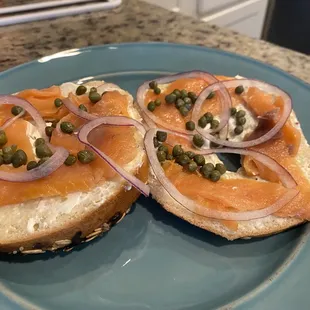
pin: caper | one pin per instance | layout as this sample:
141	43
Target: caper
39	141
239	90
179	103
190	154
190	125
9	149
221	168
240	113
163	148
188	106
209	117
3	138
211	95
187	100
7	158
153	84
238	130
215	176
161	136
1	160
241	121
183	160
83	107
171	98
161	156
54	123
177	93
206	169
177	150
94	97
85	156
192	166
233	111
202	122
169	157
93	89
81	90
31	165
8	152
213	145
19	158
214	124
157	90
49	130
199	159
193	96
157	102
16	110
155	142
151	106
184	111
58	102
42	160
67	127
184	93
71	160
198	140
43	150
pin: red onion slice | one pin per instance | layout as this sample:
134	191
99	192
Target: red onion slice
286	179
76	111
27	106
224	97
287	108
225	101
48	167
117	121
10	121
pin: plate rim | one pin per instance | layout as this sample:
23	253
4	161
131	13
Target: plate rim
19	301
151	43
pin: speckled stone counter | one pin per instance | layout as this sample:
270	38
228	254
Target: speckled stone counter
135	21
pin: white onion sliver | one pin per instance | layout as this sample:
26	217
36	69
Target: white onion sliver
117	121
287	108
192	206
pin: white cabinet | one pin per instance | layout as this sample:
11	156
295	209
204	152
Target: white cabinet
244	16
167	4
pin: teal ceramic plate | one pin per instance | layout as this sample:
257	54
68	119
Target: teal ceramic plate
153	260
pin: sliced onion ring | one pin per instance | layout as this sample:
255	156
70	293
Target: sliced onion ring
224	97
76	111
117	121
27	106
48	167
286	179
287	108
11	120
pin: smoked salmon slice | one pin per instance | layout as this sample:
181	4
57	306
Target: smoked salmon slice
118	143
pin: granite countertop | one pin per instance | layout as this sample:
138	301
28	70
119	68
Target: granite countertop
135	21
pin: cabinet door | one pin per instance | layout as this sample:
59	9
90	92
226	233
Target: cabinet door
246	18
167	4
207	6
